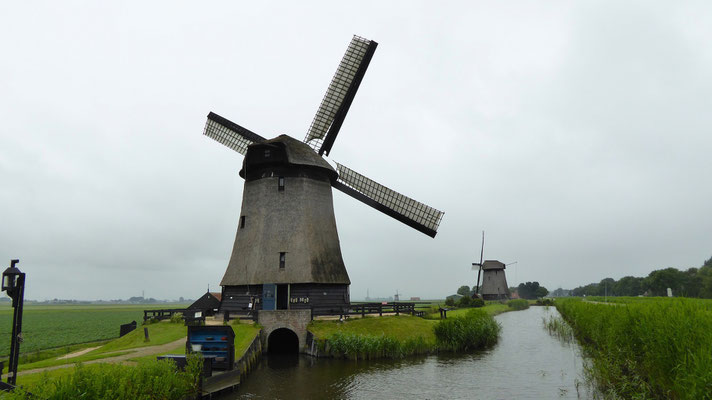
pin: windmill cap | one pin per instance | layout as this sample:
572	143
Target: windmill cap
288	151
493	264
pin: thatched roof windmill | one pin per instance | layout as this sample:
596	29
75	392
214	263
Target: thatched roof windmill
494	281
286	253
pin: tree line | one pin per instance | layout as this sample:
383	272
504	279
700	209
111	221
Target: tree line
529	290
693	282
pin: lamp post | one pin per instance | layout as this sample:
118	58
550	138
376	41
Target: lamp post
13	282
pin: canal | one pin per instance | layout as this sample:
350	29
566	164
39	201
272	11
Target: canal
527	363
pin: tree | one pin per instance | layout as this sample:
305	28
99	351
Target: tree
531	290
628	286
464	290
660	280
605	287
541	292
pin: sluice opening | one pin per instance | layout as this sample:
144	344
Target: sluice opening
283	341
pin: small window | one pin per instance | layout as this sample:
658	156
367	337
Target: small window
242	222
267	153
281	184
282	257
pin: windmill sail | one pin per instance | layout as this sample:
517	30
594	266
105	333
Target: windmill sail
411	212
340	94
230	134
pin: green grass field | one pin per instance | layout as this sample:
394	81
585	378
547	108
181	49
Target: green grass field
645	347
45	327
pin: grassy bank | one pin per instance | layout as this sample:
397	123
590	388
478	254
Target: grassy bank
518	304
492	308
652	348
400	336
475	330
374	337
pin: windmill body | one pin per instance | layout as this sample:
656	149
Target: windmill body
494	281
287	255
286	238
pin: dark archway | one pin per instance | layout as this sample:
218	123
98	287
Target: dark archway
283	341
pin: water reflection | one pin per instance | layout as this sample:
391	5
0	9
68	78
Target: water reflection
527	363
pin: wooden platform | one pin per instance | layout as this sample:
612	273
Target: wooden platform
219	383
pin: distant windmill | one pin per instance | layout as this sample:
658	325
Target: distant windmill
494	281
479	264
287	250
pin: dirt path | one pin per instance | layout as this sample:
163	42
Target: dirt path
78	353
133	353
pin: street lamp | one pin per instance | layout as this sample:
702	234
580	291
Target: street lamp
13	282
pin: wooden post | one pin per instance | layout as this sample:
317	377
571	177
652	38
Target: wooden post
145	334
380	310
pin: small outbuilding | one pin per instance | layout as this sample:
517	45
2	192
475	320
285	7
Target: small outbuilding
454	297
207	303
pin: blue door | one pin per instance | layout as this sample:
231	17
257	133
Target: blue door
268	293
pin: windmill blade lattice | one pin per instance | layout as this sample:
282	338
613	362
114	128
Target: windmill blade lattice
230	134
411	212
340	94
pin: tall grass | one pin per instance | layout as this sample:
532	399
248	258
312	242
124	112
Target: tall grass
475	330
355	346
150	380
558	327
646	349
518	304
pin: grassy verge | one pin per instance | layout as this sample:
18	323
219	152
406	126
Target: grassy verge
244	335
648	349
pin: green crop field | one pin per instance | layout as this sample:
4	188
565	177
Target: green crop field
45	327
645	347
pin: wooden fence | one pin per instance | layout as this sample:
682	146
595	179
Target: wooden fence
161	314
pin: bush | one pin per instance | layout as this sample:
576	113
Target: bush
149	380
465	301
518	304
450	302
477	302
476	330
177	318
545	302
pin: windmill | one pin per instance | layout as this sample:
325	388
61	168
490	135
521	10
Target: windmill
286	253
479	265
494	281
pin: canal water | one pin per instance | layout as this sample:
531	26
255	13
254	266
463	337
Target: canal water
526	363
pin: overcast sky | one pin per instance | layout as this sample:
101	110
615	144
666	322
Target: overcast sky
577	135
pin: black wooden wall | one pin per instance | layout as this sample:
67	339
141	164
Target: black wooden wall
322	299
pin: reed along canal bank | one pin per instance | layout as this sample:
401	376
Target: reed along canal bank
526	362
650	347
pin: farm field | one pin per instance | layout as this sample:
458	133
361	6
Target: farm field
645	347
51	326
